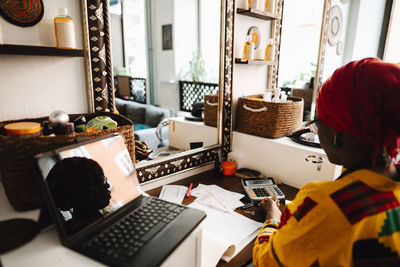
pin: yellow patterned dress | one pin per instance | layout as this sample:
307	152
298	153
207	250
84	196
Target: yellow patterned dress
336	223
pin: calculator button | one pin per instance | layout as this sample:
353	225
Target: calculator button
278	191
269	192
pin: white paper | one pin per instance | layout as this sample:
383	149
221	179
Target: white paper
234	229
213	195
173	193
213	249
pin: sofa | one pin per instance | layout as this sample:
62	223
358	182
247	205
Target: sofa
147	120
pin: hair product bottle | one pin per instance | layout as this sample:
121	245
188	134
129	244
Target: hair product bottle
248	51
270	6
246	4
269	50
255	4
64	30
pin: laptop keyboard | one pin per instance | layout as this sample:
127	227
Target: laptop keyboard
123	239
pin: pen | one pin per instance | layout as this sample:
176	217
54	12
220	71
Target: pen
248	205
190	188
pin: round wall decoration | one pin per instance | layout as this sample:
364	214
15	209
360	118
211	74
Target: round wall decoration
335	25
254	32
22	12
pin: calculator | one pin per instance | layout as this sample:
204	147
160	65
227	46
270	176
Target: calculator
258	189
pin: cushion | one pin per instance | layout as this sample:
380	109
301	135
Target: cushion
120	104
154	115
138	127
136	112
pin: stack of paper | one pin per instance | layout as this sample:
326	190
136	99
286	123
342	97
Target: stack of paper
225	234
217	197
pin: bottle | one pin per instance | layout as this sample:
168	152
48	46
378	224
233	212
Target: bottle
270	6
64	30
254	4
248	51
269	50
246	4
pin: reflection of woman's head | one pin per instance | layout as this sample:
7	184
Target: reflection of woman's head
78	184
362	99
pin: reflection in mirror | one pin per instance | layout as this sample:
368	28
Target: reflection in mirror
165	57
301	26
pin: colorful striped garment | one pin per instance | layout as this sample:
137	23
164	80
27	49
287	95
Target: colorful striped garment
339	223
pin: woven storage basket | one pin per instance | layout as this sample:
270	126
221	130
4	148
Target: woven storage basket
306	94
211	109
18	168
267	119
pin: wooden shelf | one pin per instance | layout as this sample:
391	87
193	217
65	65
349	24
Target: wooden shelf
256	13
254	62
39	51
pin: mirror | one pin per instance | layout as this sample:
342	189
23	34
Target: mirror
165	58
101	80
301	29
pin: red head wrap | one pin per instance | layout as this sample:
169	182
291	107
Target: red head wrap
362	98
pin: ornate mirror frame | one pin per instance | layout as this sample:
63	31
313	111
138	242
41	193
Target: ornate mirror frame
323	39
95	19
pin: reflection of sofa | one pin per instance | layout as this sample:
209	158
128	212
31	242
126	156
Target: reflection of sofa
146	118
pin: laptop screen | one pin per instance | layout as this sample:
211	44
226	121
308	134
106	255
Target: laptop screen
87	182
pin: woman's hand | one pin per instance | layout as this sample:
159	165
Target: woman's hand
271	207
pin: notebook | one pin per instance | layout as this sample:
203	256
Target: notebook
108	218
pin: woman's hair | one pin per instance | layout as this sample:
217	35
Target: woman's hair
362	98
78	182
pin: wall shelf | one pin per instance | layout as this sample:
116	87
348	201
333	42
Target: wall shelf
39	51
256	13
255	62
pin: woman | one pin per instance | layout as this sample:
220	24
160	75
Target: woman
354	220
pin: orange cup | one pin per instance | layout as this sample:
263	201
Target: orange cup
228	168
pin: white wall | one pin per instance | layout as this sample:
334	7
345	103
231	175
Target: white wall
33	86
362	25
185	33
210	17
368	29
116	41
301	28
392	53
164	62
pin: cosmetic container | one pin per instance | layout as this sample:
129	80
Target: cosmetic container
64	30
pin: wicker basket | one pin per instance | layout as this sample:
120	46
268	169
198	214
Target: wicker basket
267	119
18	168
306	94
210	109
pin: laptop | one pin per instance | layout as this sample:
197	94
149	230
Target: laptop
108	218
